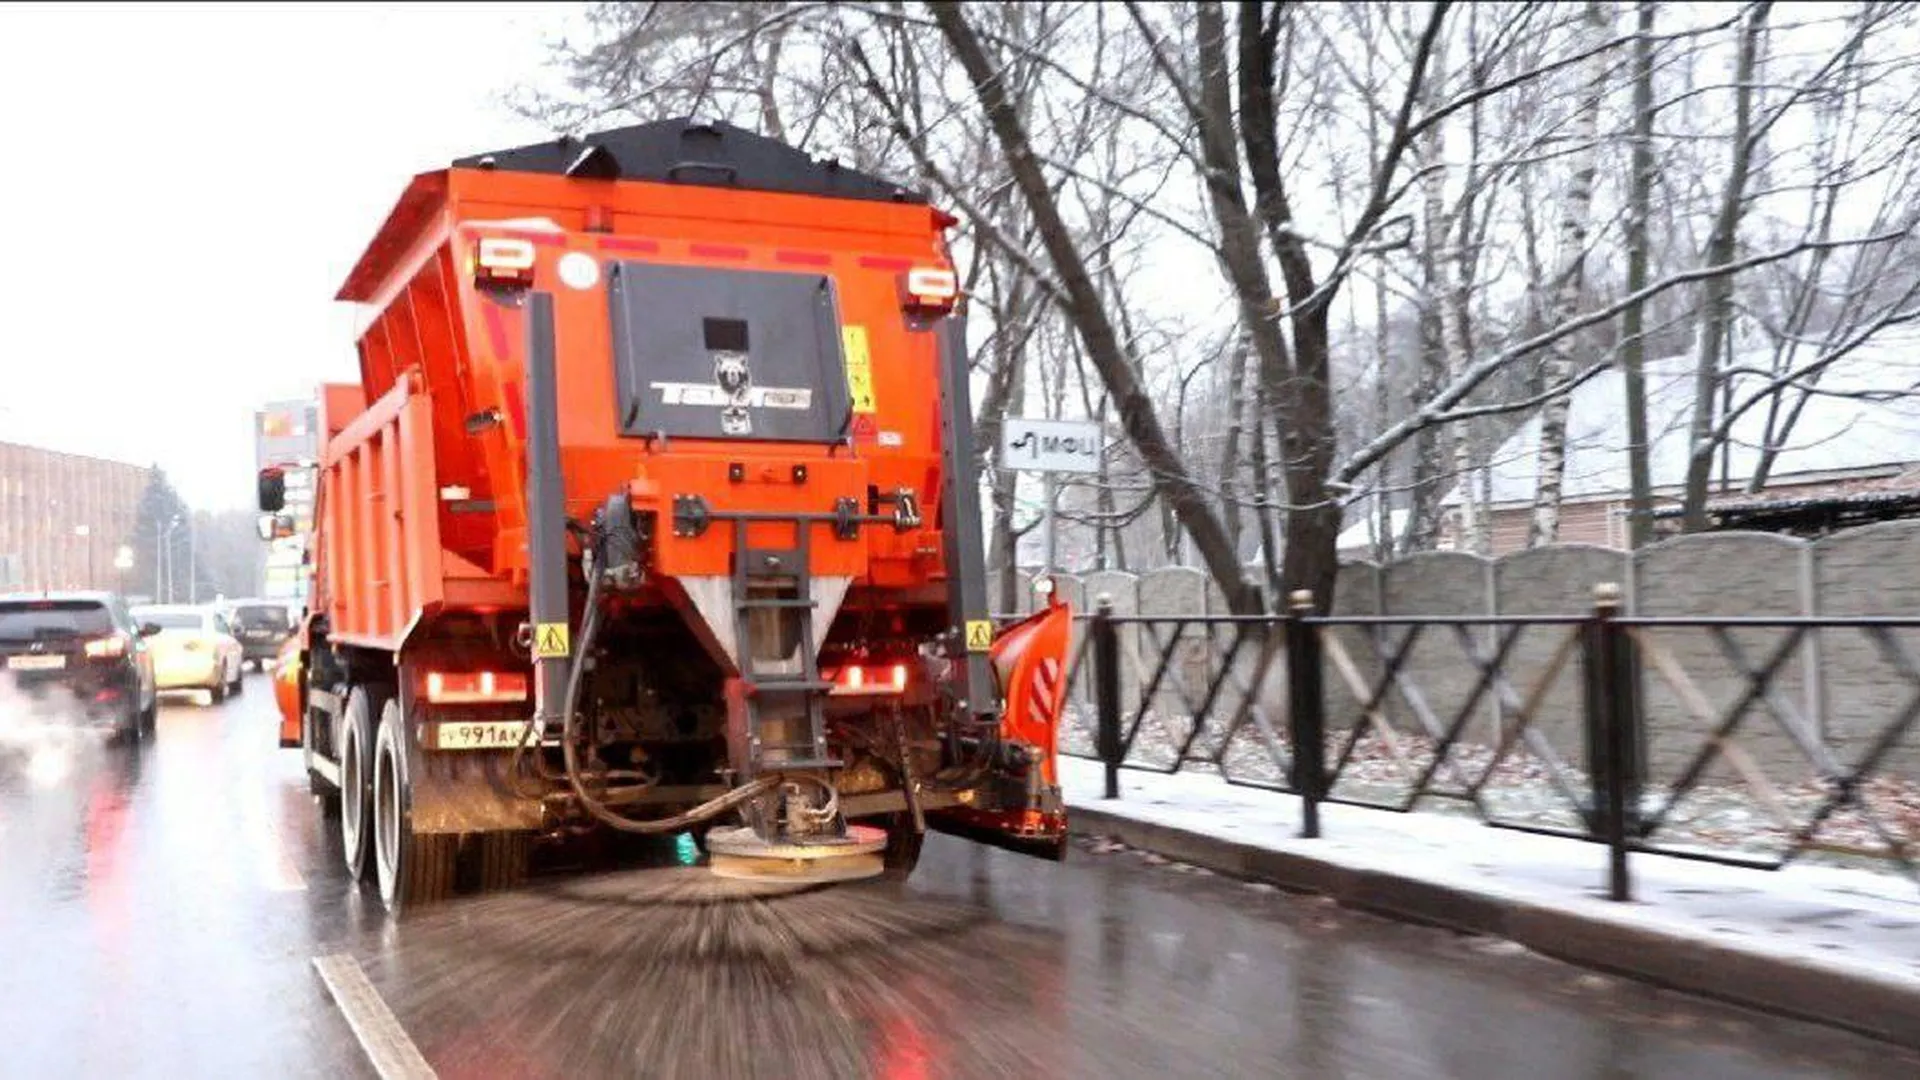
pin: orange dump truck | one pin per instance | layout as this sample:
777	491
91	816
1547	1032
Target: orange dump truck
653	512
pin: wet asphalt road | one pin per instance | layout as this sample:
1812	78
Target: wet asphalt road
160	907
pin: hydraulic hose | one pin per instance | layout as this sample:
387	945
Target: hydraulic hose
589	628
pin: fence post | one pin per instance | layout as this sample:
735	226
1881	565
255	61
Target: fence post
1106	691
1306	711
1610	718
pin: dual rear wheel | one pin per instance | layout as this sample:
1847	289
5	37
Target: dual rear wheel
410	869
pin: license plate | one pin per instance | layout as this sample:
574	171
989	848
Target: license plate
479	734
36	663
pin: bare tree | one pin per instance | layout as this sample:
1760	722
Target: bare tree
1716	297
1633	319
1576	219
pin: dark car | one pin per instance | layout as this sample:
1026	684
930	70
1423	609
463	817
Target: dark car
83	647
262	627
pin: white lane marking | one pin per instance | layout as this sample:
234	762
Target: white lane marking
386	1043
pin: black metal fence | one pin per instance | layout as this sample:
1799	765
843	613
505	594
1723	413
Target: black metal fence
1332	709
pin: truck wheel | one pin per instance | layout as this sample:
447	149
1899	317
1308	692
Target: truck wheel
217	693
414	869
356	794
239	683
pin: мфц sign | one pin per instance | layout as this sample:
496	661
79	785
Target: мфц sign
1050	445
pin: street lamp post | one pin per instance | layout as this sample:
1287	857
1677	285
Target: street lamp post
166	549
193	577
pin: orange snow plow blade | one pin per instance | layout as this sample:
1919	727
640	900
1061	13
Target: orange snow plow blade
1029	661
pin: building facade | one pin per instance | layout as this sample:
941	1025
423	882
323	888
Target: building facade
66	520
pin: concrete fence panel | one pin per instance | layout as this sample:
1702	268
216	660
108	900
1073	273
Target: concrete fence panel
1722	574
1356	592
1873	570
1554	580
1169	593
1437	583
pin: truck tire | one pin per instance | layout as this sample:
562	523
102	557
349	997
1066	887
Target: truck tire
217	693
356	793
413	869
239	683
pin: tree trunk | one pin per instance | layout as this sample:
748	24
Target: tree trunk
1385	543
1305	402
1458	272
1170	477
1633	319
1429	462
1574	223
1230	447
1716	294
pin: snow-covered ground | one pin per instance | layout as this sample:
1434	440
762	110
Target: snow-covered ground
1857	922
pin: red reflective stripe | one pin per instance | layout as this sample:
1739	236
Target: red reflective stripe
719	251
885	262
802	258
1046	676
516	409
623	243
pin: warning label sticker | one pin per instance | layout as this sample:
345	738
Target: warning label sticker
853	339
550	641
979	635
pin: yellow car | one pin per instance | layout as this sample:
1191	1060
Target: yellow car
194	650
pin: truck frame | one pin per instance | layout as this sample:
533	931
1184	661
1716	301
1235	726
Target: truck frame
654	511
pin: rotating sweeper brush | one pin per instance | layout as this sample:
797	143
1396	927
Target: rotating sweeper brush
740	854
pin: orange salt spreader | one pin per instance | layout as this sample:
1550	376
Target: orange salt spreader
655	511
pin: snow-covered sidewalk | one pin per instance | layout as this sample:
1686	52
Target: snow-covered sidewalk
1841	946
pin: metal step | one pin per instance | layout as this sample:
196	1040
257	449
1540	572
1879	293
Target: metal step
782	579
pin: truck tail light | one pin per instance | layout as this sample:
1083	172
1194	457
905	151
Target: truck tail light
475	687
504	259
857	680
107	648
931	289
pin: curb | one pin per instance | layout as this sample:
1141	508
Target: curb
1865	1003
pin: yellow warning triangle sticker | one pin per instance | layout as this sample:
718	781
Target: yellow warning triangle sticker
550	641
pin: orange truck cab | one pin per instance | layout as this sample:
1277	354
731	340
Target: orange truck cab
653	512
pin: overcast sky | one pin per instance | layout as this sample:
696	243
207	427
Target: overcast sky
184	189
